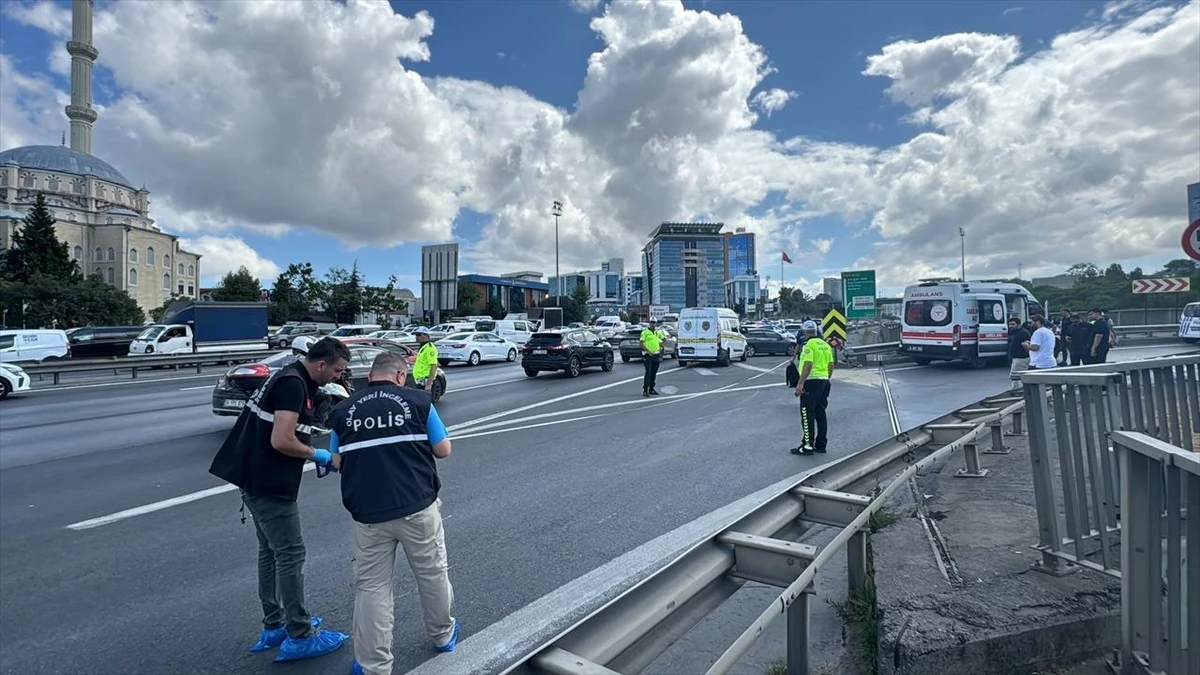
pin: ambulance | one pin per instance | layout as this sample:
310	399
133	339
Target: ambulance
947	320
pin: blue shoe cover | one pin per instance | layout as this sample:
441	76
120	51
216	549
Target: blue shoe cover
356	669
320	643
272	638
449	646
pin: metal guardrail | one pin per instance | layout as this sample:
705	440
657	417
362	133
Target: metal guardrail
135	363
1151	603
628	633
1152	330
1109	436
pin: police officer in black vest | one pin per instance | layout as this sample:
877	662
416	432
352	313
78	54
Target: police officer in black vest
387	439
264	455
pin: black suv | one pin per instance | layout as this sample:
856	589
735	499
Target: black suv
569	350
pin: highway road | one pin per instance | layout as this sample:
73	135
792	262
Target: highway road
120	554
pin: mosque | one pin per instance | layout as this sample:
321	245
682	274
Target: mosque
101	216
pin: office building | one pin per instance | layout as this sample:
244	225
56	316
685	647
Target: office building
741	293
516	294
683	265
439	280
832	286
631	289
740	254
569	282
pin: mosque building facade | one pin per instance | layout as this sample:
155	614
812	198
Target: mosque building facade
102	217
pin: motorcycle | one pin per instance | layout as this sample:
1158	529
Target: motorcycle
328	396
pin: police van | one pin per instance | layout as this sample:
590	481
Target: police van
946	320
710	334
1189	322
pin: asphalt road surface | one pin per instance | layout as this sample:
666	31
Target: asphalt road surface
120	554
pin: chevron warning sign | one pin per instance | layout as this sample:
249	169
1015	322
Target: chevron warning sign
834	324
1162	285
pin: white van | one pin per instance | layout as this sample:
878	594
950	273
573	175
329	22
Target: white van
711	334
353	330
955	321
23	345
1189	322
517	331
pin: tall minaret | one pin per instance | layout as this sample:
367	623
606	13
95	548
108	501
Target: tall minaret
83	54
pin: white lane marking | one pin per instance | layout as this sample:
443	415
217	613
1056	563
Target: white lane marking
159	506
451	390
124	383
527	426
549	401
703	371
747	366
670	390
203	386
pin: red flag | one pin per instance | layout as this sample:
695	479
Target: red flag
786	259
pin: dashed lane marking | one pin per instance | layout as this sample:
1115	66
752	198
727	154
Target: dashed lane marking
747	366
703	371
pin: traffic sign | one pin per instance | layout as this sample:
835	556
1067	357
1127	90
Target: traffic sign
836	342
858	294
1162	285
833	325
1191	240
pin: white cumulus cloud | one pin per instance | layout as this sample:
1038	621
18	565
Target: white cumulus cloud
773	100
222	255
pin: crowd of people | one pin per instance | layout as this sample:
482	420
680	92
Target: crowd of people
1073	340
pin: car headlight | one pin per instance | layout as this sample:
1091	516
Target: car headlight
15	370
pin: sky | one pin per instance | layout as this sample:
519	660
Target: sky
850	135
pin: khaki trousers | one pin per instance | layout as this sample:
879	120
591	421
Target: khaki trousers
424	544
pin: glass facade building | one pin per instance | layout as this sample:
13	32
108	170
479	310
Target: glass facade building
739	254
684	266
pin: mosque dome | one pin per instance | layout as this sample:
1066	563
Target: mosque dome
61	159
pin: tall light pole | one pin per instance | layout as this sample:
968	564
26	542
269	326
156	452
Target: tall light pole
962	238
556	209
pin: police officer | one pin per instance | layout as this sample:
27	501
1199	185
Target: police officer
387	439
652	341
426	365
815	364
264	455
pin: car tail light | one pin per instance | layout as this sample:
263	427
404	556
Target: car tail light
252	370
457	346
957	336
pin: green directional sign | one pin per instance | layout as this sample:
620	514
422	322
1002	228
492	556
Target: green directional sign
858	294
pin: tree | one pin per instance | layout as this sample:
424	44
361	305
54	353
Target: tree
495	307
343	294
468	299
1084	270
1180	267
36	249
581	295
296	294
47	302
157	312
239	286
1115	271
516	300
382	301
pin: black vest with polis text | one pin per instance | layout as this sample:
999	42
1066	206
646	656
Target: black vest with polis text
388	467
248	460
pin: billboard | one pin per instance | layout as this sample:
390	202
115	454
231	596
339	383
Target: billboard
858	294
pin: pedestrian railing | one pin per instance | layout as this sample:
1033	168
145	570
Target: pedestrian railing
629	632
1160	556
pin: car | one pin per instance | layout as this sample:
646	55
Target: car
12	379
569	351
34	345
234	388
631	344
284	337
474	347
410	357
768	341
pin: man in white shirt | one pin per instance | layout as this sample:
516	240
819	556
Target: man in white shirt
1041	345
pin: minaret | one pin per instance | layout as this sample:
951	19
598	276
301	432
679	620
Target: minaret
83	54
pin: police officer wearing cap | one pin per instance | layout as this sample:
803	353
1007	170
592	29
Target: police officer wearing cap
652	342
815	363
264	455
426	365
387	439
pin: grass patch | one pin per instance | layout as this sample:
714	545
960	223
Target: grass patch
882	518
779	667
858	612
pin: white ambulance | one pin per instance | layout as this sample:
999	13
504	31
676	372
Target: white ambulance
945	320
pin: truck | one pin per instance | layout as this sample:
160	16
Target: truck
205	326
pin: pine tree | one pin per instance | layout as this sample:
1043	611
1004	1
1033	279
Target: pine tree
36	249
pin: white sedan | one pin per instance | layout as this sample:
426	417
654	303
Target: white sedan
12	378
473	348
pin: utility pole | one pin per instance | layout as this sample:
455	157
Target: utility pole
556	209
962	238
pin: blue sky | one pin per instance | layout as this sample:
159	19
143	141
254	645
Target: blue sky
816	49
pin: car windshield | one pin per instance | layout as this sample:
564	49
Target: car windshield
1192	310
286	330
151	333
485	326
343	331
459	336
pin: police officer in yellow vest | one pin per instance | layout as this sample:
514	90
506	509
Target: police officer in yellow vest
815	364
426	365
652	341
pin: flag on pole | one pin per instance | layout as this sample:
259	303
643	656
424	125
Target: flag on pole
786	259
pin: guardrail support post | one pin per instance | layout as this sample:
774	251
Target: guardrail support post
998	446
856	561
798	635
1018	428
133	369
972	470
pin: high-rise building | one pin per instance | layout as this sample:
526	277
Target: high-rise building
684	266
569	282
739	254
631	290
832	286
439	280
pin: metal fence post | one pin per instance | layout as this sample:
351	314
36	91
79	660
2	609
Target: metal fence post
856	561
971	455
798	635
998	446
1018	429
1043	480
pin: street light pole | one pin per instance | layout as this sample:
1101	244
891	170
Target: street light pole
556	209
962	238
